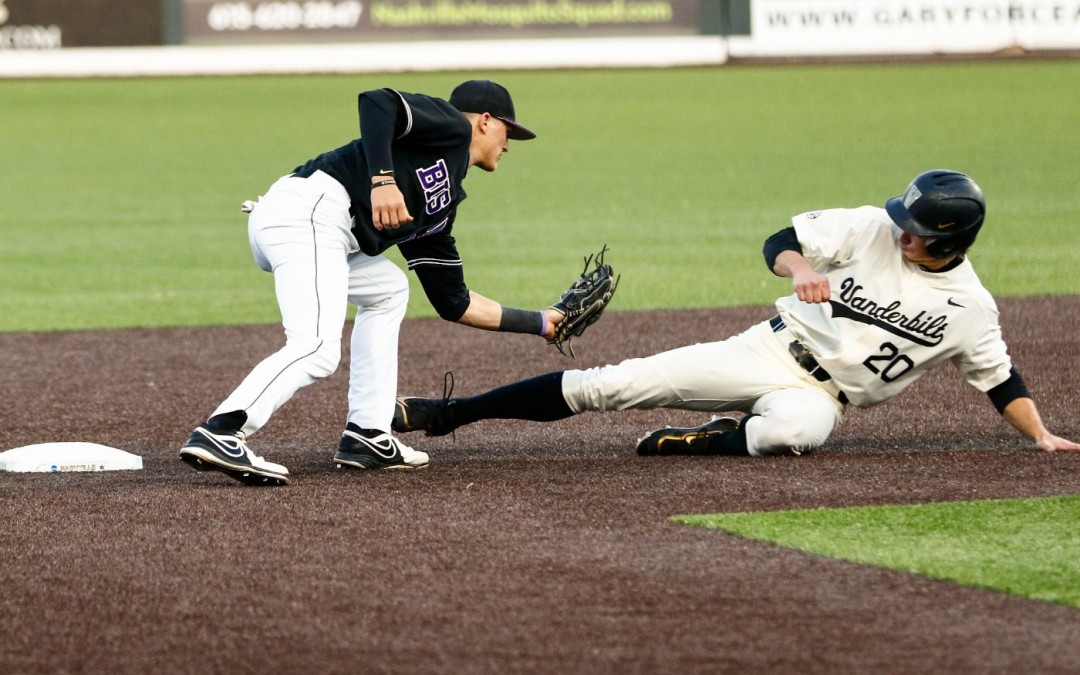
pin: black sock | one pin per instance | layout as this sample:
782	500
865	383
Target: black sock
731	443
357	429
227	423
539	399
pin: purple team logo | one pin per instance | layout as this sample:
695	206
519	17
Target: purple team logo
436	183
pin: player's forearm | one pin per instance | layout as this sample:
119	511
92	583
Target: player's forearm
790	263
486	314
1022	414
482	313
809	285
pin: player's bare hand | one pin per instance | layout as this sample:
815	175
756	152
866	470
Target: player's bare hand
554	318
388	209
811	286
1052	443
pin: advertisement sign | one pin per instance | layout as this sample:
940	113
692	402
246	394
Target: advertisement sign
840	27
35	25
224	21
17	35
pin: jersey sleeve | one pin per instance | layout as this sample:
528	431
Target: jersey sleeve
432	123
986	363
437	265
382	113
834	236
388	116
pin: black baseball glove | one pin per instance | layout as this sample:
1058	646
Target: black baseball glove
584	301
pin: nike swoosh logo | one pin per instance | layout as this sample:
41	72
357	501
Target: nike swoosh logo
231	447
383	172
382	446
954	304
942	226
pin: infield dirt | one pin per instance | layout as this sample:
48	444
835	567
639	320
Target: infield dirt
524	548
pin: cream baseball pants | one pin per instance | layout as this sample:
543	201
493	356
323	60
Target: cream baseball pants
752	372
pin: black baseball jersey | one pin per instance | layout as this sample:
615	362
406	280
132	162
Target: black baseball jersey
424	142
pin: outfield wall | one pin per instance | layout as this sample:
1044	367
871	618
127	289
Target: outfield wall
816	28
57	38
492	55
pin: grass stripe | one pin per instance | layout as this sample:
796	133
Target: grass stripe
1025	547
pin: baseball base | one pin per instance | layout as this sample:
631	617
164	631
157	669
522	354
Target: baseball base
65	457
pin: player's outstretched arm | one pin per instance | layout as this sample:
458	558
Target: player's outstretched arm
1022	414
485	313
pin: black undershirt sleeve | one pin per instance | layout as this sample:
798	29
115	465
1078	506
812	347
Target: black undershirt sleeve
784	240
379	112
1008	391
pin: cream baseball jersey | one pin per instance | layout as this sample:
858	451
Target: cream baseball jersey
890	321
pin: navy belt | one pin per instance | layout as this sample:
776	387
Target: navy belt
804	358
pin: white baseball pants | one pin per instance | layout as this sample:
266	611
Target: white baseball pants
300	231
751	372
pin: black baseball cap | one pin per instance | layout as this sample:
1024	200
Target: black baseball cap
485	96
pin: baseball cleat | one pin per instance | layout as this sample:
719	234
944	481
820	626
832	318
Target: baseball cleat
229	454
432	415
686	440
372	449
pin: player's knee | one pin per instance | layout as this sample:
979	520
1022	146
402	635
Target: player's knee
396	300
390	295
320	358
325	361
597	389
397	288
795	426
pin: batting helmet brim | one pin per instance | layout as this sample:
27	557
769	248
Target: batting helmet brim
902	217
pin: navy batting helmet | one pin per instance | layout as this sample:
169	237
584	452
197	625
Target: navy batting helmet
945	206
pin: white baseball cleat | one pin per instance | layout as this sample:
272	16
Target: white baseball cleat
373	449
229	454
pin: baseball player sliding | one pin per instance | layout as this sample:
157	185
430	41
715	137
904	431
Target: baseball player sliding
321	231
882	296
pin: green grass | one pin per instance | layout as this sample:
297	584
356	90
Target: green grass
119	199
1025	547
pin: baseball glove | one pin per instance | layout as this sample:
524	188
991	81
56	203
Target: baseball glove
584	301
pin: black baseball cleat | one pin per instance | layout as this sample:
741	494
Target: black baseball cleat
686	440
433	415
373	449
229	454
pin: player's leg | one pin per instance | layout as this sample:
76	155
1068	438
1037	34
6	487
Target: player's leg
790	412
727	375
380	291
790	422
300	232
716	376
539	399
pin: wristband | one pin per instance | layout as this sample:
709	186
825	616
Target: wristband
388	181
521	321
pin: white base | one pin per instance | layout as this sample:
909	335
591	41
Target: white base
68	456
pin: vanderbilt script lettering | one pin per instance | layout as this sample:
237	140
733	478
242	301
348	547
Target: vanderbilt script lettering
922	328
